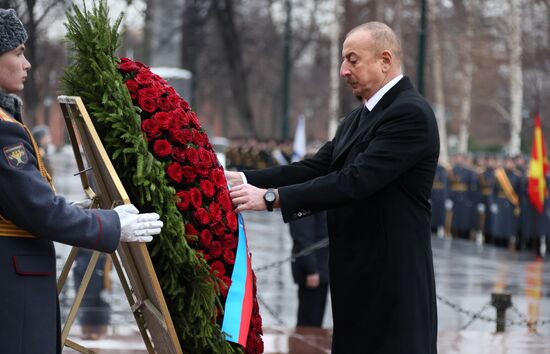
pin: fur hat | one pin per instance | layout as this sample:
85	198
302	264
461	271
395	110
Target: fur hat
12	32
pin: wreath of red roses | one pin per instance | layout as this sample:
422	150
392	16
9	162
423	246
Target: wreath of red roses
175	136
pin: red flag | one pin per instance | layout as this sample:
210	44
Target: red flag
538	167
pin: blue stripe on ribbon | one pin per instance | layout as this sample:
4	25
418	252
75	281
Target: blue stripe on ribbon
234	303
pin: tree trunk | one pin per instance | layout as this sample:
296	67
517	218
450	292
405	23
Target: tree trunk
147	32
437	70
223	10
31	97
467	76
334	99
516	76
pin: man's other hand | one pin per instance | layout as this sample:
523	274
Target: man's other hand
234	178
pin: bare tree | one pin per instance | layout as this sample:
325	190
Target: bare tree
437	71
467	76
516	76
225	17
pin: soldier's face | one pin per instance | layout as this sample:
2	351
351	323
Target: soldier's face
13	70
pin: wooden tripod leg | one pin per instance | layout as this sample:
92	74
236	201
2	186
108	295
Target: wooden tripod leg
79	296
66	269
137	314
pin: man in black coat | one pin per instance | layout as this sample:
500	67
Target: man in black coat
310	270
375	179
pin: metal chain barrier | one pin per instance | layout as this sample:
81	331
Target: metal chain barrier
523	320
472	315
271	311
306	251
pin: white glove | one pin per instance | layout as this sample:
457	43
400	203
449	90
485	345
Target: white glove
136	227
82	204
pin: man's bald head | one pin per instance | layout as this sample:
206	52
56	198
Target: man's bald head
383	38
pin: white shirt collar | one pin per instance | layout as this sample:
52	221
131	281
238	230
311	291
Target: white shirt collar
380	93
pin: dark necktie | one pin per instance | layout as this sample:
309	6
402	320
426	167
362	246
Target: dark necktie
364	118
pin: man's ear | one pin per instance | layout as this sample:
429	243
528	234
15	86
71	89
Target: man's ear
387	60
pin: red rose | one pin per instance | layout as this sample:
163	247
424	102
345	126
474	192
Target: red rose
202	216
218	228
144	77
163	104
174	171
149	92
132	86
184	200
196	197
206	238
224	200
215	212
192	156
127	66
215	249
193	120
202	168
178	154
176	136
187	135
189	174
207	188
162	119
174	101
147	104
182	116
218	178
151	128
217	268
228	241
228	257
162	148
231	219
204	155
198	138
190	229
184	105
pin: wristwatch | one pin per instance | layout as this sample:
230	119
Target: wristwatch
269	199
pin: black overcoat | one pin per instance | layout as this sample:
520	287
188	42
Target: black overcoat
375	180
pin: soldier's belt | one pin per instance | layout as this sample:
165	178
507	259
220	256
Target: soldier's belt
9	229
459	187
438	185
486	191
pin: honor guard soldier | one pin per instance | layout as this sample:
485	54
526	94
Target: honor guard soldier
486	182
32	216
505	206
462	182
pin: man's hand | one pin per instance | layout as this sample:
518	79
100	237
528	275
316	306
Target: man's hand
313	280
248	197
234	178
136	227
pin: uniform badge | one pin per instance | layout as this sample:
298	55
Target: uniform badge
16	155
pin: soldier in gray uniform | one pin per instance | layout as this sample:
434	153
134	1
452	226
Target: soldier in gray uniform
32	216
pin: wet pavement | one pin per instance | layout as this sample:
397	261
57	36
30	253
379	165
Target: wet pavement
466	274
